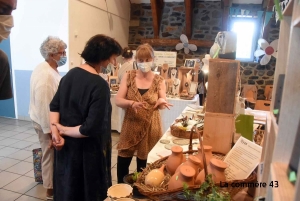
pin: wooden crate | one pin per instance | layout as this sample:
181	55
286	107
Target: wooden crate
223	81
219	131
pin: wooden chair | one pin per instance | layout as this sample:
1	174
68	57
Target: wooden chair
268	92
262	105
249	92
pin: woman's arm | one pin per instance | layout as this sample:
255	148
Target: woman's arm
162	103
69	131
58	141
121	100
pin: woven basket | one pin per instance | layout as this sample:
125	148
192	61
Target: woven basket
162	193
177	132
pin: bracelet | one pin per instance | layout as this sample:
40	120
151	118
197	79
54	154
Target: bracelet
132	103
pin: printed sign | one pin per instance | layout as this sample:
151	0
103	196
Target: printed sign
163	57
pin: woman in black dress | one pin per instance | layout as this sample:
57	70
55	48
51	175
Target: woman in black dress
81	113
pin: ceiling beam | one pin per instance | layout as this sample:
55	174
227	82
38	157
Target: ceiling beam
188	18
225	7
174	42
266	27
156	7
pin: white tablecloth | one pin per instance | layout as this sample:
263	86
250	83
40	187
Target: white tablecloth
160	150
167	116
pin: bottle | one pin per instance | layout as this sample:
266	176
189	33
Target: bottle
175	159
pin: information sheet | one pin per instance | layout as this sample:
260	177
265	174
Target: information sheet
163	57
242	159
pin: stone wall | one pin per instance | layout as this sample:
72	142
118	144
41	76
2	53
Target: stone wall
207	22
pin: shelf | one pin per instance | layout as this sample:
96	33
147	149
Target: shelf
286	189
288	11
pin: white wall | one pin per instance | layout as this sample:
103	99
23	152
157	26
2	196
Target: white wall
91	17
35	20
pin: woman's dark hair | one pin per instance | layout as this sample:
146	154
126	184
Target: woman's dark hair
127	53
100	48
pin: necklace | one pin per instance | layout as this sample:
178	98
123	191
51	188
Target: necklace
175	85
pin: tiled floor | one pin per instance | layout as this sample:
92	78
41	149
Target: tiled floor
17	140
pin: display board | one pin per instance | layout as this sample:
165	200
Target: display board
163	57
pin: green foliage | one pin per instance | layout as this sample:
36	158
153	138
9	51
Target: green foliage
207	192
135	176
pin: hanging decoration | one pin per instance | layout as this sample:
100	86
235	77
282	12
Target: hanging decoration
268	50
185	44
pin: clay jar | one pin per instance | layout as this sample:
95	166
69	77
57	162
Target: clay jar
216	168
186	175
175	159
208	154
155	177
193	162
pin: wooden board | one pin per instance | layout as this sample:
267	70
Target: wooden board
222	85
218	131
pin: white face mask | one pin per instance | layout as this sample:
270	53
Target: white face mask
6	23
145	67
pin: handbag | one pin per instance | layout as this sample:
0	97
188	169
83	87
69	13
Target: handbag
37	164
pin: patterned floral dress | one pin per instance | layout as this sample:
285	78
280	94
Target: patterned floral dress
142	130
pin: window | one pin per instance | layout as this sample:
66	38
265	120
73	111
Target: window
246	30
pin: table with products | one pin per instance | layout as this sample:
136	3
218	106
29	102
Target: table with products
167	116
159	149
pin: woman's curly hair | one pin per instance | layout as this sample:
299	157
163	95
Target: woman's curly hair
100	48
51	46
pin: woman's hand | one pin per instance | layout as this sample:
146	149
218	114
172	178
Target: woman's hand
162	103
61	129
58	141
137	105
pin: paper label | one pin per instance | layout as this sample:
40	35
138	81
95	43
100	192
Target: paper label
242	159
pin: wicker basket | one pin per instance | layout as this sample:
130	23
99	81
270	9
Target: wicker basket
162	193
177	132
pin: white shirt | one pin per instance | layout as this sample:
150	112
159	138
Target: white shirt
43	86
127	66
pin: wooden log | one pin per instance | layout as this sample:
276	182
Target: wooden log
218	131
223	80
188	18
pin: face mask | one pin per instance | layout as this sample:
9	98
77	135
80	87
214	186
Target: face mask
6	23
145	67
62	61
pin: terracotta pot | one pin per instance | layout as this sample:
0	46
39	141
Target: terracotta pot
216	168
186	175
201	176
193	162
208	154
175	159
155	177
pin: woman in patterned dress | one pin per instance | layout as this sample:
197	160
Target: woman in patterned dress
142	94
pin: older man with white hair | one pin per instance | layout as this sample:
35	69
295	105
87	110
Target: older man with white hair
43	86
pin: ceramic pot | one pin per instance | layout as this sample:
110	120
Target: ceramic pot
175	159
193	162
208	154
155	177
216	168
186	175
119	191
